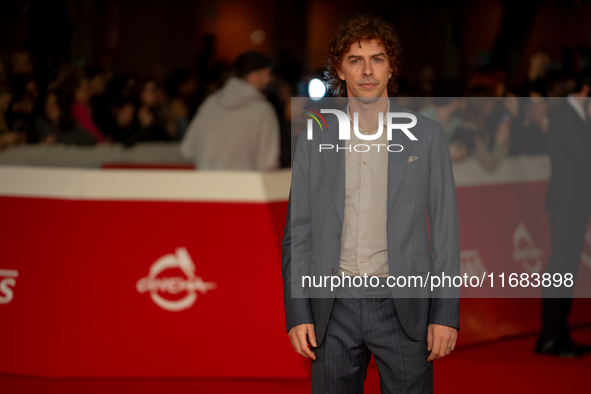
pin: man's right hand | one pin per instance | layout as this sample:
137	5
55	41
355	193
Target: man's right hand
297	336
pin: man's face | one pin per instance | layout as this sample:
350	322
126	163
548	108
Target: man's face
259	78
365	68
265	78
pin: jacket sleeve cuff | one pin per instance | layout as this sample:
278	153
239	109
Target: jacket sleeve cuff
446	312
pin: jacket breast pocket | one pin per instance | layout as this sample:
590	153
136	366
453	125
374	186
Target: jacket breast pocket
413	166
422	263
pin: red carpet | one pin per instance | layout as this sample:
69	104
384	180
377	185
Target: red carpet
510	366
506	366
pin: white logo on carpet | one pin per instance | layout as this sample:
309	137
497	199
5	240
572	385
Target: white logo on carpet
191	284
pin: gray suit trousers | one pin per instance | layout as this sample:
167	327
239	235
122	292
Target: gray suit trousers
357	328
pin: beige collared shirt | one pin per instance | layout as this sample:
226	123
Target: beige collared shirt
364	248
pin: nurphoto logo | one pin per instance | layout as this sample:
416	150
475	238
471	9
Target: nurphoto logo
345	128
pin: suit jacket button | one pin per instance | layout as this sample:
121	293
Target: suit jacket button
333	270
338	234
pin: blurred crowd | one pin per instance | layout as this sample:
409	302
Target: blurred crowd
488	120
482	116
91	105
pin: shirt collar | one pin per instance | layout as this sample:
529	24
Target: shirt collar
577	107
365	131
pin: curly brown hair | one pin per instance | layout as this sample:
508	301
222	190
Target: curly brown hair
362	28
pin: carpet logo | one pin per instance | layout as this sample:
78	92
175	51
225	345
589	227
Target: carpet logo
7	283
159	285
525	252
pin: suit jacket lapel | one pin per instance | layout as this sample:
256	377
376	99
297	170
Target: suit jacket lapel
335	164
397	162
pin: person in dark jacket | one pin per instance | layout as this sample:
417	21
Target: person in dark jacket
568	202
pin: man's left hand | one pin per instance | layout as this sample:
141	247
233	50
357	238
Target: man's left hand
441	341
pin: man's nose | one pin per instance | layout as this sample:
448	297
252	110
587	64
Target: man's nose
367	70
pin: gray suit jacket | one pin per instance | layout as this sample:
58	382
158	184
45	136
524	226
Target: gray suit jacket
312	238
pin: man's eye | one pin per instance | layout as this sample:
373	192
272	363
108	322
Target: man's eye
355	60
377	59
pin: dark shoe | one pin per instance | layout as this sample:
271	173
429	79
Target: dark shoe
556	348
582	347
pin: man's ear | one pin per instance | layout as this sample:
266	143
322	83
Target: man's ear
340	74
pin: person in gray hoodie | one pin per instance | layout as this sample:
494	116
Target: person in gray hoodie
236	128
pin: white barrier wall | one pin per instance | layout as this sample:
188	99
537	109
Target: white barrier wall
165	185
92	157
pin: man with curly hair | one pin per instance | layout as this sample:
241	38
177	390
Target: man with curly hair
358	214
